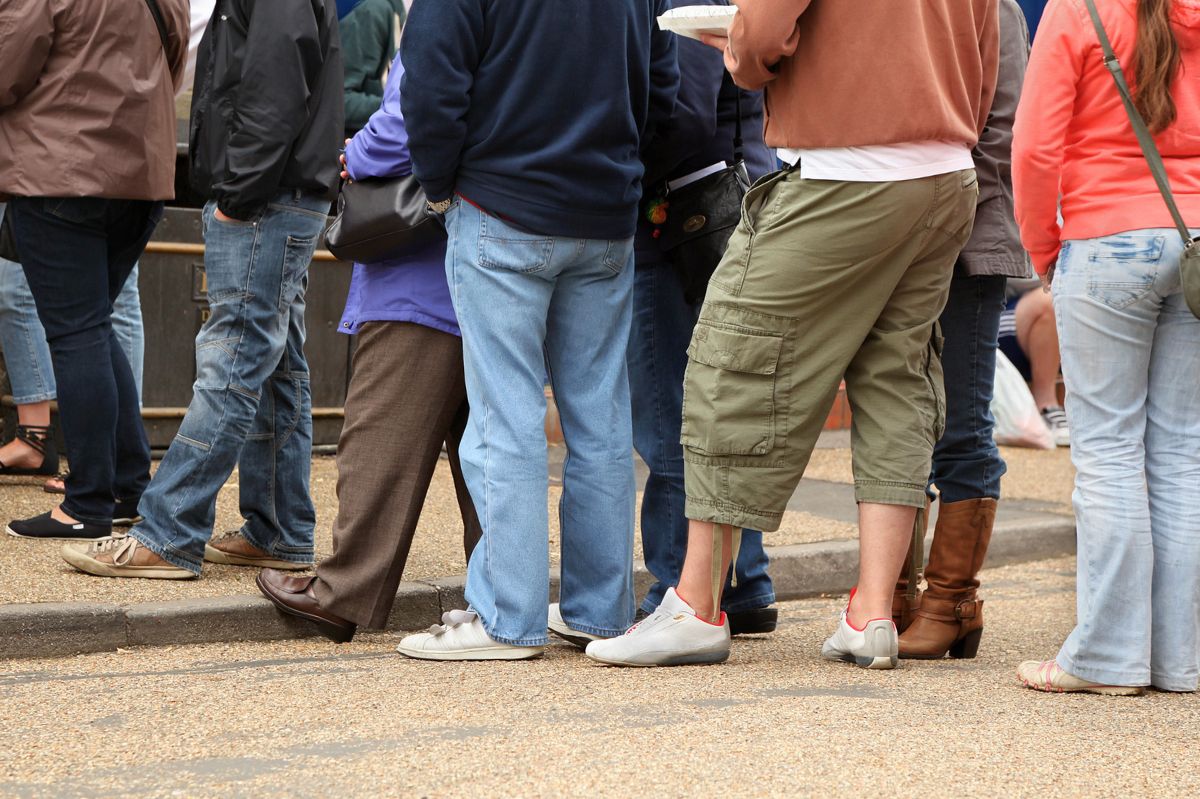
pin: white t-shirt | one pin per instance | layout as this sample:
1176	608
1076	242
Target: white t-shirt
202	11
880	163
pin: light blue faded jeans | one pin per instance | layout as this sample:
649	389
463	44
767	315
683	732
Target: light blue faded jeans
251	403
529	304
1131	361
23	340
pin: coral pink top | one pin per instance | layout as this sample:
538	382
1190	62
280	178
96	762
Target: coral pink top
1072	137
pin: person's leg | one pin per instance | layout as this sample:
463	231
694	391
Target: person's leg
1107	314
30	372
387	454
70	255
663	321
1172	474
472	530
967	468
502	280
127	325
1037	335
238	348
586	338
276	461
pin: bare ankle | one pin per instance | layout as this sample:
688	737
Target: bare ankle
703	610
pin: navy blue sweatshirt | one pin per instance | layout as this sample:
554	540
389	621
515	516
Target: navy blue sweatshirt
536	110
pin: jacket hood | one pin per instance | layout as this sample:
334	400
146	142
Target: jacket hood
1185	20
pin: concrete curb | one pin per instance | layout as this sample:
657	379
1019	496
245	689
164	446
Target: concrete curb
55	629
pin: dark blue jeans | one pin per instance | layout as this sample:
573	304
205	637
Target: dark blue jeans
77	253
966	462
662	328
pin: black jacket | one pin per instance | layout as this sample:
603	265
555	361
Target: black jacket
267	104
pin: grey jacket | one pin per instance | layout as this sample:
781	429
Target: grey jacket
995	244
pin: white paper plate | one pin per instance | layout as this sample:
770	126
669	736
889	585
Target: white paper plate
691	21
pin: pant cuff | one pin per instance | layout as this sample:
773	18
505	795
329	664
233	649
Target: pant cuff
69	509
749	603
1137	679
718	512
29	399
1185	685
307	556
885	493
170	556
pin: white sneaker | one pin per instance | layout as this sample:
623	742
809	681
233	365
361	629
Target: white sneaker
461	636
876	646
1060	430
670	636
564	631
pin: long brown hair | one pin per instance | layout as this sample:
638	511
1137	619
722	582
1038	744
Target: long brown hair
1155	64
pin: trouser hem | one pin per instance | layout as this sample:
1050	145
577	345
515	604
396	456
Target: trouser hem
882	493
169	556
30	399
1136	679
295	555
750	603
717	512
1174	684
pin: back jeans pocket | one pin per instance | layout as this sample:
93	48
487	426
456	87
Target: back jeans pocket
729	391
1123	268
507	248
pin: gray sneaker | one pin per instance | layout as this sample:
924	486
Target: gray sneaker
875	646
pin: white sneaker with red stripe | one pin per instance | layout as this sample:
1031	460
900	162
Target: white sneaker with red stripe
875	646
673	635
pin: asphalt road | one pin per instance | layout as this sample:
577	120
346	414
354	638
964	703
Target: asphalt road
309	718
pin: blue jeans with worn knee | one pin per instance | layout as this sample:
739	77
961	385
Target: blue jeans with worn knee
966	462
251	403
23	339
662	328
531	304
1131	356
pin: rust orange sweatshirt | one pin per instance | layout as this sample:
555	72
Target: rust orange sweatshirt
847	73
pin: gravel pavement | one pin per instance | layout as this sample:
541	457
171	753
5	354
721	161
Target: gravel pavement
310	718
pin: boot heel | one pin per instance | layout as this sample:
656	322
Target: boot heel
967	646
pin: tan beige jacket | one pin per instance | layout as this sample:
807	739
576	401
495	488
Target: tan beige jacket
844	73
87	98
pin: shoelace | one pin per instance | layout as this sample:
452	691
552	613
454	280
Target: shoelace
452	619
122	548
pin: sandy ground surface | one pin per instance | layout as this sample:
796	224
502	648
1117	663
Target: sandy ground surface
310	718
34	571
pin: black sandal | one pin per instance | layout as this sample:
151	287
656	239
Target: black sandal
40	438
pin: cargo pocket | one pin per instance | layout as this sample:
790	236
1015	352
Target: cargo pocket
937	383
731	272
729	391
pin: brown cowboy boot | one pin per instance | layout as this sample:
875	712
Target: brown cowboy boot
907	596
950	617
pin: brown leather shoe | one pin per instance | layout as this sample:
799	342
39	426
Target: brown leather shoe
232	549
294	595
950	618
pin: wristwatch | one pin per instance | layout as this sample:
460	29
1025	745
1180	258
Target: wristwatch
441	206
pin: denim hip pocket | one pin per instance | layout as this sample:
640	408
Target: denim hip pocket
508	248
729	391
1123	268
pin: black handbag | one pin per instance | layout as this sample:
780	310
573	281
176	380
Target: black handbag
381	219
701	216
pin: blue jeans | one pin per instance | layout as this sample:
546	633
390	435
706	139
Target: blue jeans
1131	356
251	402
23	340
529	304
662	329
77	254
966	462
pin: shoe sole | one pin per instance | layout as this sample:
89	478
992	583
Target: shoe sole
704	659
74	539
335	633
214	555
96	568
878	663
1102	690
573	637
127	521
472	654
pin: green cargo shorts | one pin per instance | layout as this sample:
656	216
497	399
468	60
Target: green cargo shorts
823	281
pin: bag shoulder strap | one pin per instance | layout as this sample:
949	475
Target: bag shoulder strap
739	152
161	24
1145	139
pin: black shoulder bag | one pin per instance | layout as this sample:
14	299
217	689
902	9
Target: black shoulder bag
8	243
701	216
382	219
1189	263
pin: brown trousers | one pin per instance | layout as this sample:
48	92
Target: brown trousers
406	398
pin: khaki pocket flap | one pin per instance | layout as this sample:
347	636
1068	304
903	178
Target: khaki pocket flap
735	351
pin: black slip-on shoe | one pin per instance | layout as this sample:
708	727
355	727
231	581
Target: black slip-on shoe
755	621
125	513
48	529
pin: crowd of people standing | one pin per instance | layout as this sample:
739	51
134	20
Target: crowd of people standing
919	161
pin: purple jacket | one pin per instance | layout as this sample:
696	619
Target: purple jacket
411	289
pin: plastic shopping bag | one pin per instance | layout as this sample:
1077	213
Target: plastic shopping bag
1018	422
